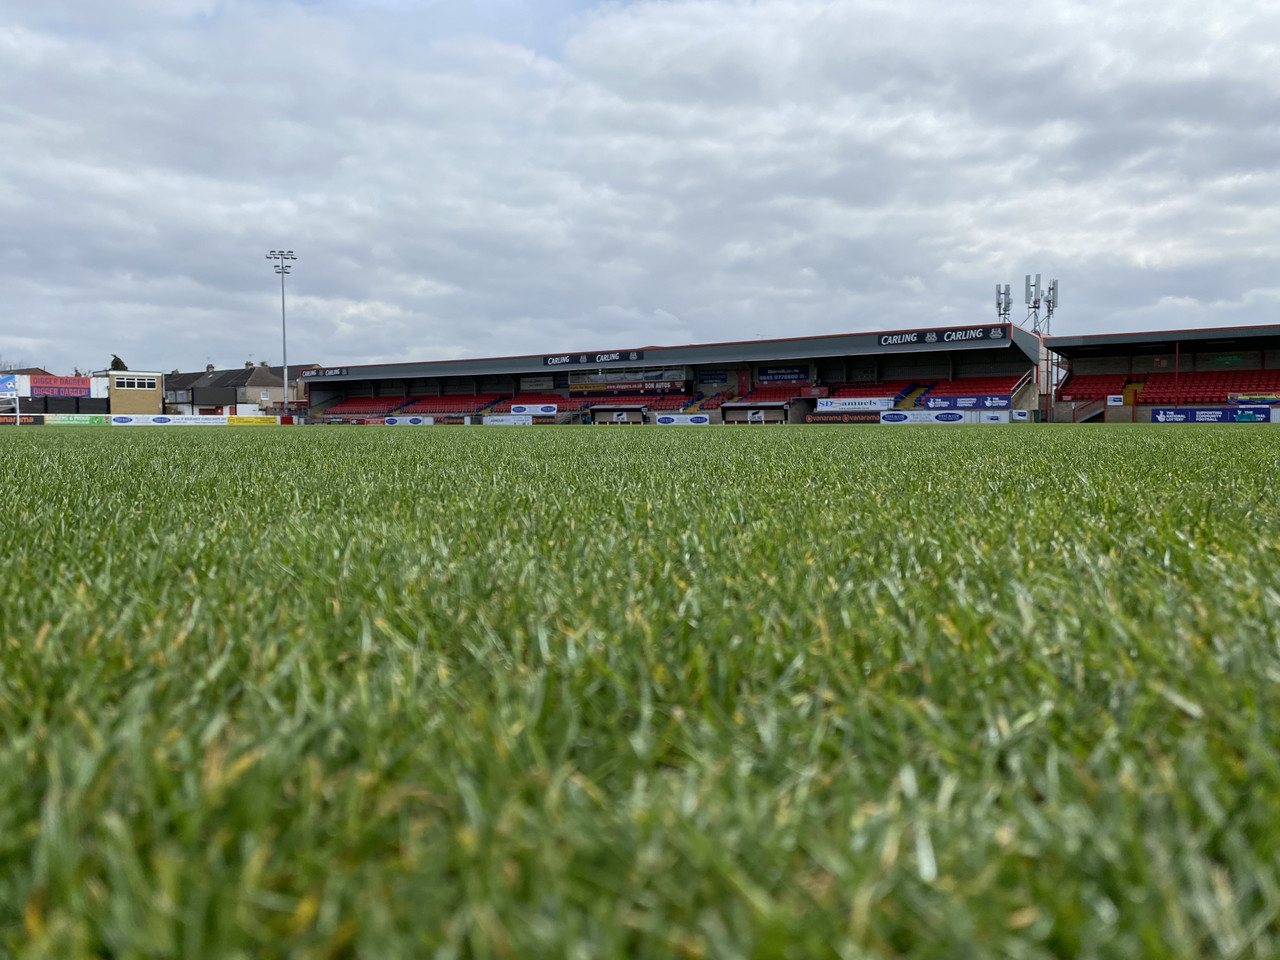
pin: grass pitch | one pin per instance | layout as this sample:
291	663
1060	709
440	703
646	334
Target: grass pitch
803	692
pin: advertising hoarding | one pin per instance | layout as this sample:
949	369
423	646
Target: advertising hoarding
843	416
782	374
1211	415
946	337
508	420
77	419
979	402
855	403
682	419
403	421
895	417
45	386
169	420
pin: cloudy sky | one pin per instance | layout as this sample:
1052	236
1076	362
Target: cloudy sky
478	177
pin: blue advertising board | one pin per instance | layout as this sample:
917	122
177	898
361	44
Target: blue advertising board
1211	415
8	386
782	374
985	402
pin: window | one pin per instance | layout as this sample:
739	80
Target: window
135	383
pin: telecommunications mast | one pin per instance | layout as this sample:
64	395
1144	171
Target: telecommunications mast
1037	298
1004	303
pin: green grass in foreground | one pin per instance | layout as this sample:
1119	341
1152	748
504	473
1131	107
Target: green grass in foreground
804	692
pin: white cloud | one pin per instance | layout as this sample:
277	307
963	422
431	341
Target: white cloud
456	183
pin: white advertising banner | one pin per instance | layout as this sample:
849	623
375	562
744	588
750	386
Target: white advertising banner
508	420
993	416
167	420
537	384
682	419
535	409
1115	400
1020	416
755	416
855	403
409	421
923	416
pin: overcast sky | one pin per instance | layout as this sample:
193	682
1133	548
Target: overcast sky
505	176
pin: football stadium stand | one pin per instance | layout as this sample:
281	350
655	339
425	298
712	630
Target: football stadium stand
967	374
450	403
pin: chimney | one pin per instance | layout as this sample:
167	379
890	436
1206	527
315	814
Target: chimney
208	368
248	364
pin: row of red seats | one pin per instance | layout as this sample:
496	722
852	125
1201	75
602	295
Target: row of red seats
890	388
1207	386
975	386
449	403
364	406
1092	386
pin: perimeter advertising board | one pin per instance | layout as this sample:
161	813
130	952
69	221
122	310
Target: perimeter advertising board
508	420
895	417
171	420
682	419
409	421
983	402
843	416
1211	415
535	409
252	421
28	420
77	419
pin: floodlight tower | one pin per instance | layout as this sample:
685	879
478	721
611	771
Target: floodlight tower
283	267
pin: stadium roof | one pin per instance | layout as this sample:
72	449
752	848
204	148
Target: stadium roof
1263	337
880	343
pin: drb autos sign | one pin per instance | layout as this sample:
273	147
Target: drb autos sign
1211	415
